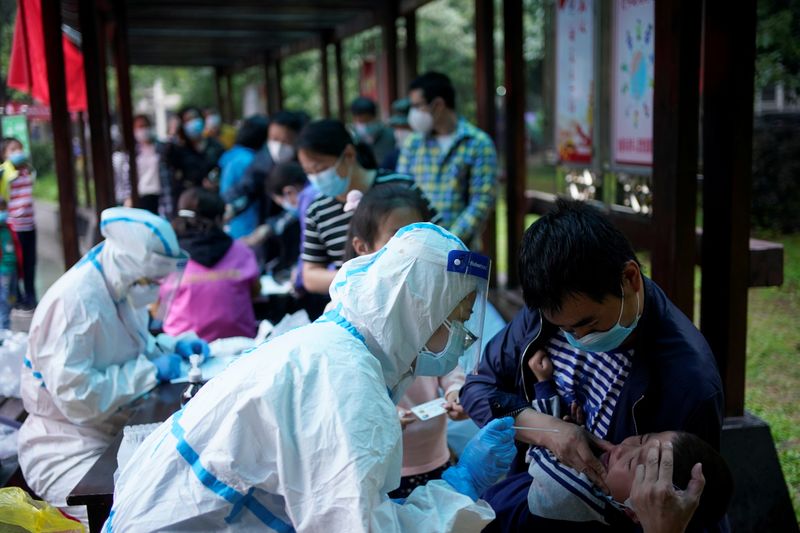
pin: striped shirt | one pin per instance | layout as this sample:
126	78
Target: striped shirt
594	380
20	201
326	224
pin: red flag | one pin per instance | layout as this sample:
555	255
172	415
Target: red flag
27	70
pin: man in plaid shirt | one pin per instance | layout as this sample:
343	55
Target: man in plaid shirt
452	161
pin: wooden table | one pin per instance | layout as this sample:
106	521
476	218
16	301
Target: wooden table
96	489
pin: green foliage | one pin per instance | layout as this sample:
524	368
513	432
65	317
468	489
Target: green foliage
778	44
302	88
194	84
776	173
42	157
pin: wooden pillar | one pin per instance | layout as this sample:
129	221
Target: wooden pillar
323	82
728	64
514	132
410	59
278	84
675	121
218	93
337	52
389	44
229	96
272	104
85	150
62	139
122	67
93	45
484	94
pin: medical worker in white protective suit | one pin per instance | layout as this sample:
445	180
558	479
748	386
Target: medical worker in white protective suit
302	434
90	353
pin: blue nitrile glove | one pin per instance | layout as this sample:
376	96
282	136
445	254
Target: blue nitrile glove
168	367
187	347
486	458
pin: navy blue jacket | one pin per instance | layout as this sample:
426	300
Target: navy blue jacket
674	384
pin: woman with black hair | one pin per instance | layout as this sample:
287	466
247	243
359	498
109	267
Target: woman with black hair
192	156
249	139
336	166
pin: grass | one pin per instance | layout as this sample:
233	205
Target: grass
46	188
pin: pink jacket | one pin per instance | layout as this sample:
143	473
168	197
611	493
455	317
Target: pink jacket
215	302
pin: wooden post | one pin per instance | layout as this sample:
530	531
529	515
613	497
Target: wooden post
229	96
675	120
410	59
515	132
728	63
484	93
337	52
218	94
93	45
122	67
85	150
324	77
389	44
59	116
278	84
272	106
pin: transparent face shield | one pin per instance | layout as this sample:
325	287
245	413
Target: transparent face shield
470	312
168	288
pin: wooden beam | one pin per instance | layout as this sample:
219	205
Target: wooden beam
218	93
389	46
278	84
728	62
339	66
229	96
85	150
122	68
514	132
484	93
93	45
411	51
675	125
324	78
62	139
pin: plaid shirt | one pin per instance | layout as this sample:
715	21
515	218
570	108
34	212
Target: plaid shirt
459	184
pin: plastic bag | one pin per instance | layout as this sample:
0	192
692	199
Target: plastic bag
17	508
12	350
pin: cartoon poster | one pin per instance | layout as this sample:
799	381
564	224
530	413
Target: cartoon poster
632	75
574	80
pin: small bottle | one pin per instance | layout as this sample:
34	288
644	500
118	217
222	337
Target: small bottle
195	379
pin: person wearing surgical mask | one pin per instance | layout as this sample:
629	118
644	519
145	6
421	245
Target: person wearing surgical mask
336	166
452	161
90	353
367	128
17	178
282	132
301	434
193	158
625	360
153	174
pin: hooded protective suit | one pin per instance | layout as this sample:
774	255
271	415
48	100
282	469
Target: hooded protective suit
301	433
89	353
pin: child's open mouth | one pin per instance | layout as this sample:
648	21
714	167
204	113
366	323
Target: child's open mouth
604	459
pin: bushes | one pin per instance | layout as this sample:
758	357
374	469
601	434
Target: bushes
42	157
776	172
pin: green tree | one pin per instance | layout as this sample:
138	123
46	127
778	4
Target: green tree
778	44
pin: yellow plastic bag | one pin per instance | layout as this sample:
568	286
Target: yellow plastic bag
17	508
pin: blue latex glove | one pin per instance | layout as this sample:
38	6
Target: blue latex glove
486	458
187	347
167	367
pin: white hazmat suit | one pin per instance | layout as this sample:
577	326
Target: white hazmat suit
89	353
301	433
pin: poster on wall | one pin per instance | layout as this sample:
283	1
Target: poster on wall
632	75
574	80
17	126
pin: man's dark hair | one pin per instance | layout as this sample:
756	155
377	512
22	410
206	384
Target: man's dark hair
208	209
435	85
572	250
253	132
142	117
363	106
286	174
688	450
289	119
330	137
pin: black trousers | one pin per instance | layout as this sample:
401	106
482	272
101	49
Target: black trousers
149	202
27	240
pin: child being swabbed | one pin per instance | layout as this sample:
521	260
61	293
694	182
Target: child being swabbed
561	493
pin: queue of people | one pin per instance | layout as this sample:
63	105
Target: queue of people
598	407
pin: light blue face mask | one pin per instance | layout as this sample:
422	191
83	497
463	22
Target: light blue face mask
328	182
290	208
442	363
605	341
18	158
3	217
193	128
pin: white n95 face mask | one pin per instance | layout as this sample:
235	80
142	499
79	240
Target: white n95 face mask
143	295
420	121
280	152
442	363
